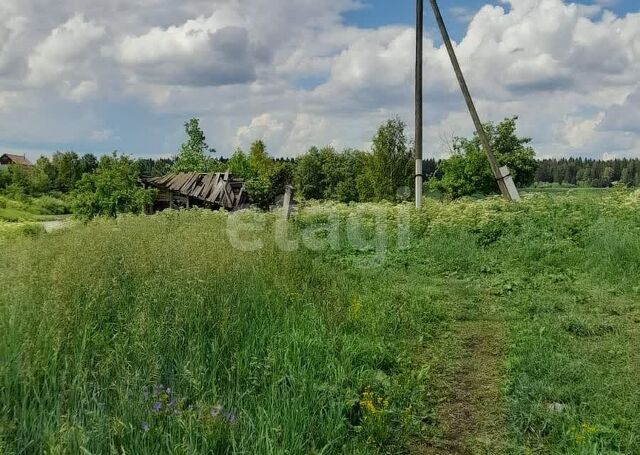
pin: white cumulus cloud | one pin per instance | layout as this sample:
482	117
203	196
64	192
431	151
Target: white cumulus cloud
296	74
204	51
65	51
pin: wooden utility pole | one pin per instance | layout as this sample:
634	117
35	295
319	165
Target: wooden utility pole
418	101
502	175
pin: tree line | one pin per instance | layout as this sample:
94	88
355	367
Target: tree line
58	174
587	172
111	184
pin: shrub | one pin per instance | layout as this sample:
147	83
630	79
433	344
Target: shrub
48	205
113	189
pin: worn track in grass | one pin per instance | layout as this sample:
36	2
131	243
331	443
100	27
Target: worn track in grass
471	415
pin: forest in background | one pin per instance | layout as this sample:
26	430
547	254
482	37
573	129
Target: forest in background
90	186
587	172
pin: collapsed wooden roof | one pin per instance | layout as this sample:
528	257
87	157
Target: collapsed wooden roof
218	189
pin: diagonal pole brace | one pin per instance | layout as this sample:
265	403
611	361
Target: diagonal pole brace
502	175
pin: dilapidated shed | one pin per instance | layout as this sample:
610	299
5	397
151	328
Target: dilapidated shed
214	190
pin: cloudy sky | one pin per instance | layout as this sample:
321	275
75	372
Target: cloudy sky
103	75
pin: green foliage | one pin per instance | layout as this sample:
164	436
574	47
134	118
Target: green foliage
68	170
193	154
49	205
343	344
266	178
58	174
14	180
328	174
259	161
390	167
113	189
11	231
240	166
32	208
353	175
584	172
351	359
88	163
154	167
464	175
468	171
343	174
259	191
309	175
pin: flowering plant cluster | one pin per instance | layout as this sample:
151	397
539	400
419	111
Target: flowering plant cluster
376	417
163	402
584	433
371	403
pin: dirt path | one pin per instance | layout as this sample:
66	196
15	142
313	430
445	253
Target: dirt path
54	225
472	415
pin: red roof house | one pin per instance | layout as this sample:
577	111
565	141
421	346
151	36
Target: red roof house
20	160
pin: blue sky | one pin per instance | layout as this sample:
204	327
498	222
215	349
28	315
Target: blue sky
103	75
376	13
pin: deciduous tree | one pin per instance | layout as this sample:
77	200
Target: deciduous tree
193	155
468	171
390	166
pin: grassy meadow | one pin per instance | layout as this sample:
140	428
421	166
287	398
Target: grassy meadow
25	216
467	327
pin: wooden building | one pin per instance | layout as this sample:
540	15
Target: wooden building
195	189
20	160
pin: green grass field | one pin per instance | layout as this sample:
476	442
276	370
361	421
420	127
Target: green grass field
44	208
19	218
469	327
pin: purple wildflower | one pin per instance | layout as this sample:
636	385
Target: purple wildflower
144	426
157	406
231	417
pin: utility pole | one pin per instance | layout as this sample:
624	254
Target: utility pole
502	175
418	101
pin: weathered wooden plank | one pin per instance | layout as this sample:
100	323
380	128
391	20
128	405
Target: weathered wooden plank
216	193
216	188
238	200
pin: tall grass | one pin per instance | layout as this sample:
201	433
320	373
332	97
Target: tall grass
31	209
156	335
93	318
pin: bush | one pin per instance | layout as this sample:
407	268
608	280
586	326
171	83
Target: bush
14	230
48	205
112	190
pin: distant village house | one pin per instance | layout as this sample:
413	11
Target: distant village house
8	159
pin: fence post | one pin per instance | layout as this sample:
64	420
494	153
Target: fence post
286	205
